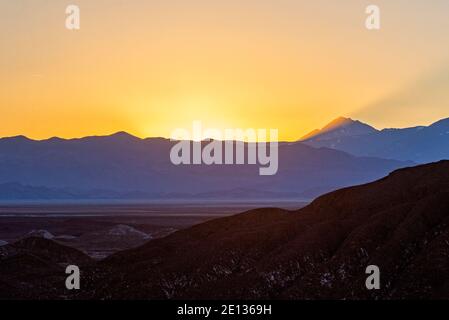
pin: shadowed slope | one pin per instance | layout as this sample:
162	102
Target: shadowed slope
400	223
34	268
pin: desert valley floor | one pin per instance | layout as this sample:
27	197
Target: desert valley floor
101	229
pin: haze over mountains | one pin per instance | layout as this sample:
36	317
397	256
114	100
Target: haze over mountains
419	144
121	166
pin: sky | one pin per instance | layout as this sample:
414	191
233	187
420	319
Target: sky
150	67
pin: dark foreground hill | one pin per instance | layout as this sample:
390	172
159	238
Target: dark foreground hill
399	223
34	268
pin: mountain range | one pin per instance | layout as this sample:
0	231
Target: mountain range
421	144
122	166
399	223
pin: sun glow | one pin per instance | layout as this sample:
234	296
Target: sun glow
148	69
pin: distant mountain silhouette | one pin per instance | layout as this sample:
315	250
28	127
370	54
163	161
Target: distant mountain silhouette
419	144
338	128
121	166
17	191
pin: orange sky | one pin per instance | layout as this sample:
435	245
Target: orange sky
148	67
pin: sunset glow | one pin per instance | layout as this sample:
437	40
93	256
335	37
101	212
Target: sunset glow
148	68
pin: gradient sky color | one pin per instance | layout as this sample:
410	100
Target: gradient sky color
148	67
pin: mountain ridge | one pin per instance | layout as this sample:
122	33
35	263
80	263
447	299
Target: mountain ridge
339	127
420	144
123	166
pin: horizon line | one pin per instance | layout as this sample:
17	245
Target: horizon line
124	132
